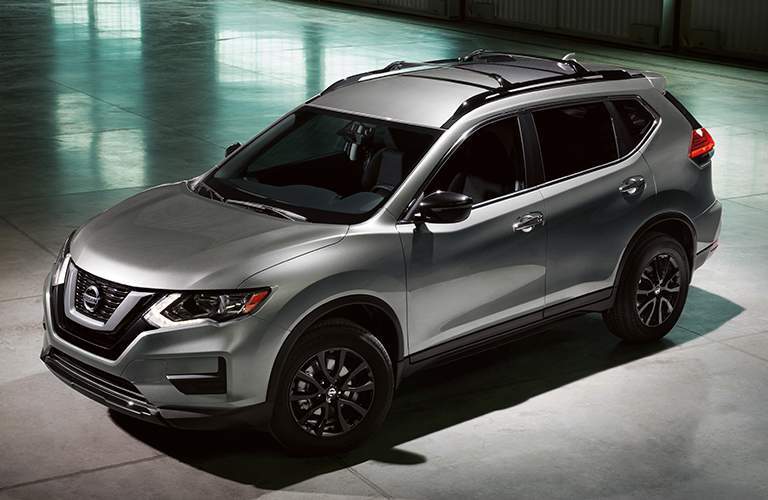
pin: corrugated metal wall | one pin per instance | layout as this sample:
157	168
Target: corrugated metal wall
735	27
416	5
721	27
645	22
610	18
445	9
530	13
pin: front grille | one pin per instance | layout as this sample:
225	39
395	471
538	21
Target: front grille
107	344
111	296
108	389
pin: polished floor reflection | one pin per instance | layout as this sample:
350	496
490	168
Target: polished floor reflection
99	99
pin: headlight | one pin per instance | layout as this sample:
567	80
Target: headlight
60	265
192	308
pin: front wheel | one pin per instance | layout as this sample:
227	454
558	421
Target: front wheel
652	290
335	390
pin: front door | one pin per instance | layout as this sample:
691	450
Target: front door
465	278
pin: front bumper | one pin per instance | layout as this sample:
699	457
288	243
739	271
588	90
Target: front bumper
124	397
113	392
147	380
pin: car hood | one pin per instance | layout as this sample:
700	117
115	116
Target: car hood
172	239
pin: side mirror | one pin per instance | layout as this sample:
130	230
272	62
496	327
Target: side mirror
444	207
231	149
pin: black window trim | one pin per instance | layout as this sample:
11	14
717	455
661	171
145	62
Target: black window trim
614	116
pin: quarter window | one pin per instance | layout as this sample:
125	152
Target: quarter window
635	121
575	138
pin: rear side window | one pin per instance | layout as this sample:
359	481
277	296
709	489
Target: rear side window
635	122
575	138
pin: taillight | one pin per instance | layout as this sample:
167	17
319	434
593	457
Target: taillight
701	143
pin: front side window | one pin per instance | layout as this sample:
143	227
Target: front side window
489	164
323	166
575	138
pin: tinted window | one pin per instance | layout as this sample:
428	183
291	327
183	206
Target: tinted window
324	166
309	139
487	165
636	121
575	138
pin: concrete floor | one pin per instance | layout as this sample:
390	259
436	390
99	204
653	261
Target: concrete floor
101	99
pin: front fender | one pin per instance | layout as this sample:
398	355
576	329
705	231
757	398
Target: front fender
366	267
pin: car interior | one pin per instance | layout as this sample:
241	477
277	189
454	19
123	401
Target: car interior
489	164
331	163
592	142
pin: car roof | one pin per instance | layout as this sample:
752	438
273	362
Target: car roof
436	93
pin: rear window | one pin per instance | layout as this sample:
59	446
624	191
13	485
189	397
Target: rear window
575	138
635	122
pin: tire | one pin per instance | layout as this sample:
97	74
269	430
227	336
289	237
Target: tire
635	317
311	425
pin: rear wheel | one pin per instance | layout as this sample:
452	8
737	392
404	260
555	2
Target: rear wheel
652	290
335	391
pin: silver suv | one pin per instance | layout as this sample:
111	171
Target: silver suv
404	217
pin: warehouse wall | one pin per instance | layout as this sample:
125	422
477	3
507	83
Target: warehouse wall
647	22
734	28
444	9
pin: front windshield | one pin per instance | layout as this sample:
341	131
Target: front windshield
324	166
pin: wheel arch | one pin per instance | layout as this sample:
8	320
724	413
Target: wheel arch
371	312
675	224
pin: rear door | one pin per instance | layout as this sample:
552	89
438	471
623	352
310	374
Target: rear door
596	189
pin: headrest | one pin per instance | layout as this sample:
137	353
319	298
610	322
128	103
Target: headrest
390	168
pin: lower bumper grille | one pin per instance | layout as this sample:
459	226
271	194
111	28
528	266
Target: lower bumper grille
107	389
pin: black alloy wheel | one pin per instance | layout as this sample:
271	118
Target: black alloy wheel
332	392
658	290
651	291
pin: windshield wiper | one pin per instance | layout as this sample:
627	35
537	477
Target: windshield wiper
268	209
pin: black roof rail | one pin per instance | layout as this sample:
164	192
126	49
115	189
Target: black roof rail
398	65
393	66
505	87
475	55
478	100
570	60
480	54
503	82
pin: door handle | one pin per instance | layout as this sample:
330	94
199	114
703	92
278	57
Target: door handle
632	186
527	222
